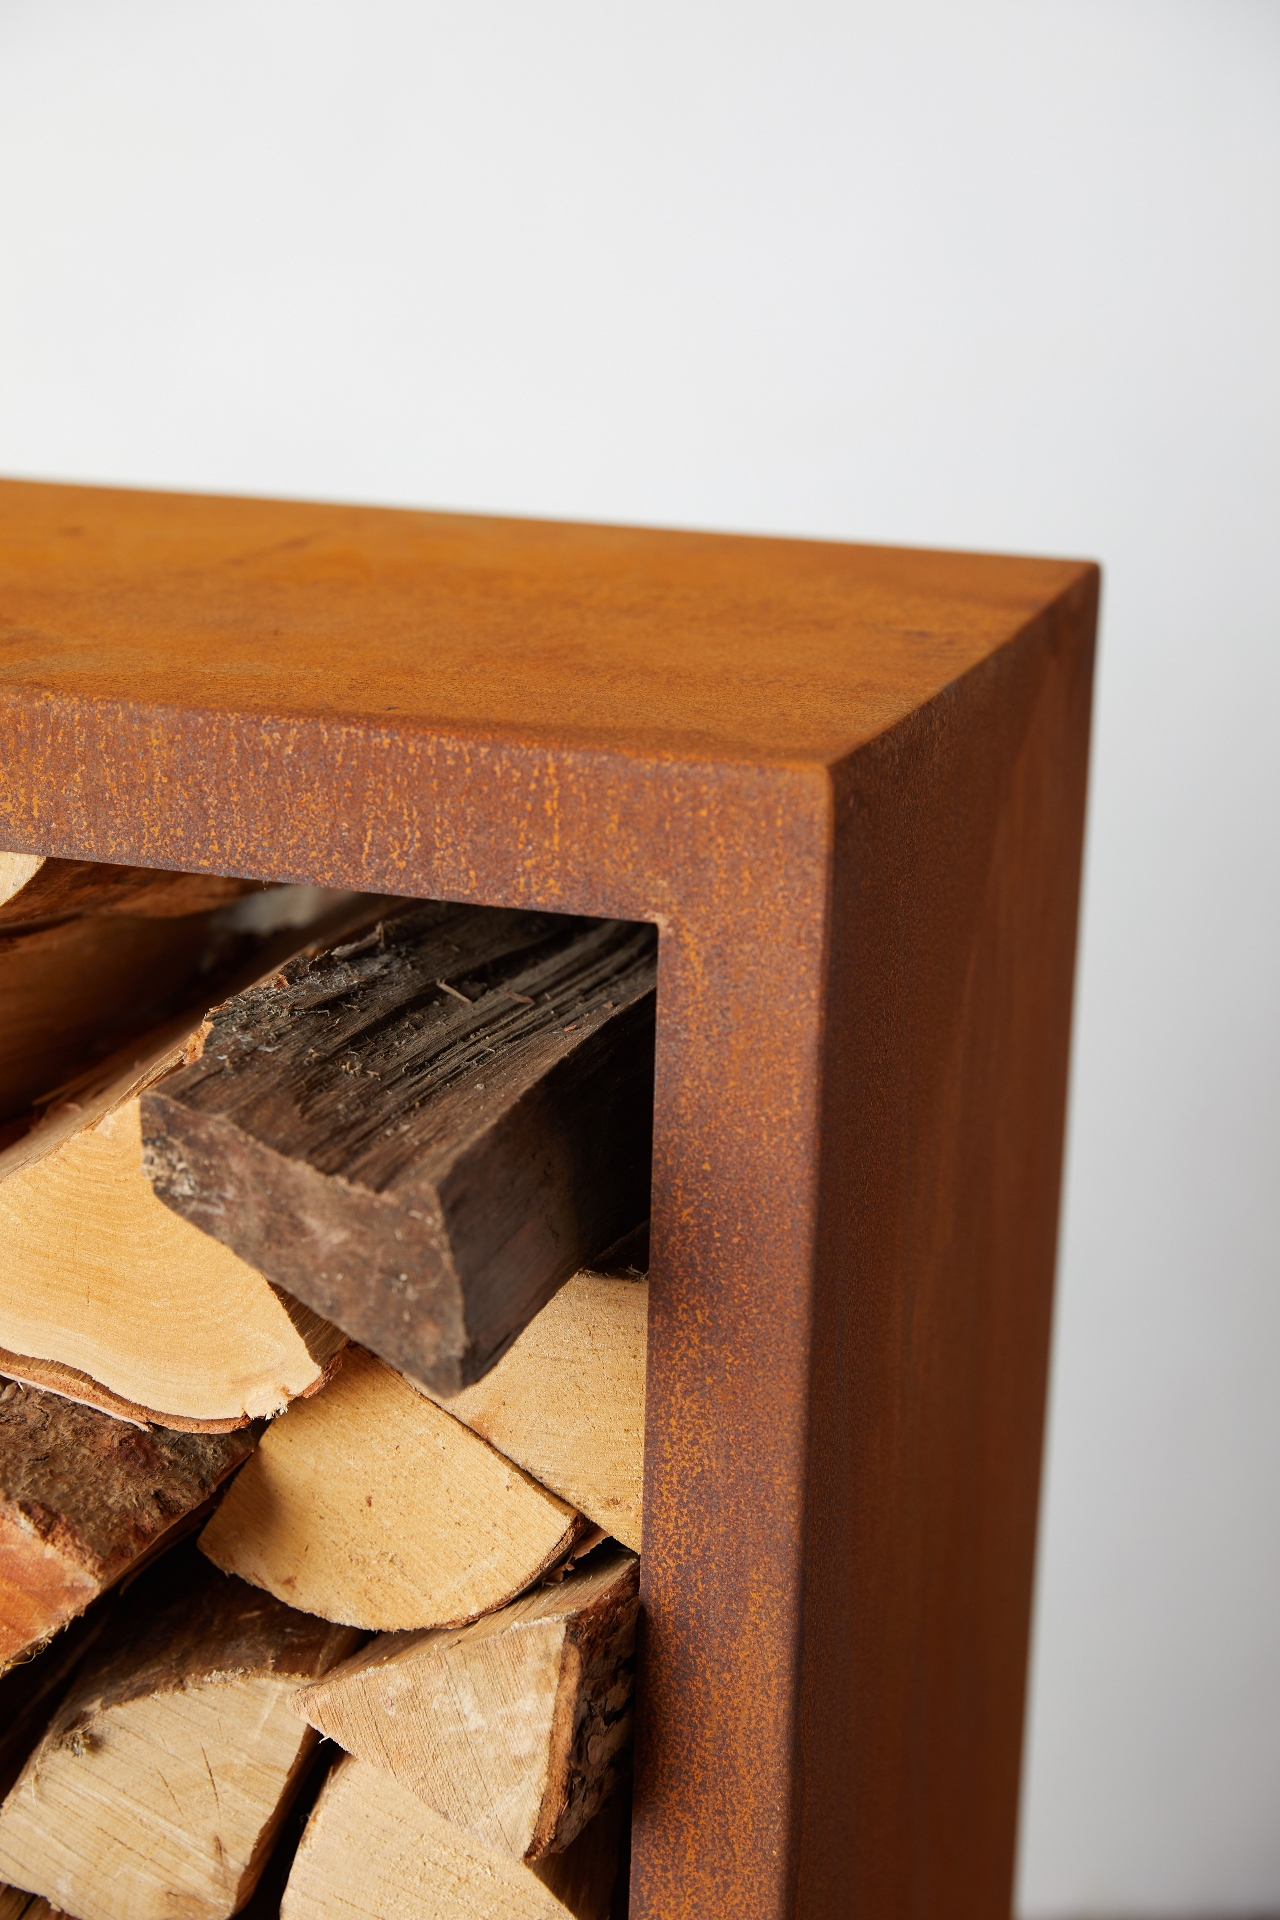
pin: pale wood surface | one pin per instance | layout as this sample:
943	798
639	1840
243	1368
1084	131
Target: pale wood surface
96	1274
516	1727
371	1505
17	870
166	1770
83	1498
107	1294
374	1851
566	1402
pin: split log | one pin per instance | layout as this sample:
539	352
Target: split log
110	1296
566	1402
166	1771
92	955
264	1904
370	1505
374	1851
83	1498
97	1276
81	985
35	888
517	1727
424	1134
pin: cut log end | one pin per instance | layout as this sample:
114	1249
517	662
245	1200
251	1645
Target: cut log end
370	1505
516	1728
373	1851
170	1763
424	1133
567	1401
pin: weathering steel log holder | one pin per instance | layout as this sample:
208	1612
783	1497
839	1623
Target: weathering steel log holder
847	784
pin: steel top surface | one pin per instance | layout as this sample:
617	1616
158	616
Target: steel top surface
676	645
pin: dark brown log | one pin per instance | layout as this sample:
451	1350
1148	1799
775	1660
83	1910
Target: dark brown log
423	1133
84	1498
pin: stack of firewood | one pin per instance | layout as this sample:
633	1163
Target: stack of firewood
322	1338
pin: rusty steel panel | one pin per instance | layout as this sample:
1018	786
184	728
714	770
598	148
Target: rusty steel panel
847	783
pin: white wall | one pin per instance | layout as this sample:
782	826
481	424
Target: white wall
981	274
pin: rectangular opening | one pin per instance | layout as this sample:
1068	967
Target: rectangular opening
323	1242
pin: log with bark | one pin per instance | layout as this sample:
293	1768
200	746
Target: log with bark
370	1505
566	1402
84	1498
374	1851
110	1296
516	1727
166	1771
424	1134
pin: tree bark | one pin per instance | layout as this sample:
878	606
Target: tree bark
83	1498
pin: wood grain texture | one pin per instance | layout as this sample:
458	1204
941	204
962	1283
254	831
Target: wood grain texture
166	1770
374	1851
78	989
518	1727
567	1402
101	1285
422	1134
369	1505
33	888
97	1275
781	752
82	1499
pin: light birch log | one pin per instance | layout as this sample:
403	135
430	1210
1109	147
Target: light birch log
371	1505
374	1851
566	1402
165	1773
516	1727
108	1295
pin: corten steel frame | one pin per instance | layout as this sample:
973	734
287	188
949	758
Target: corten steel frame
848	785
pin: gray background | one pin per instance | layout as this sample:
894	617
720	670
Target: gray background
977	274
